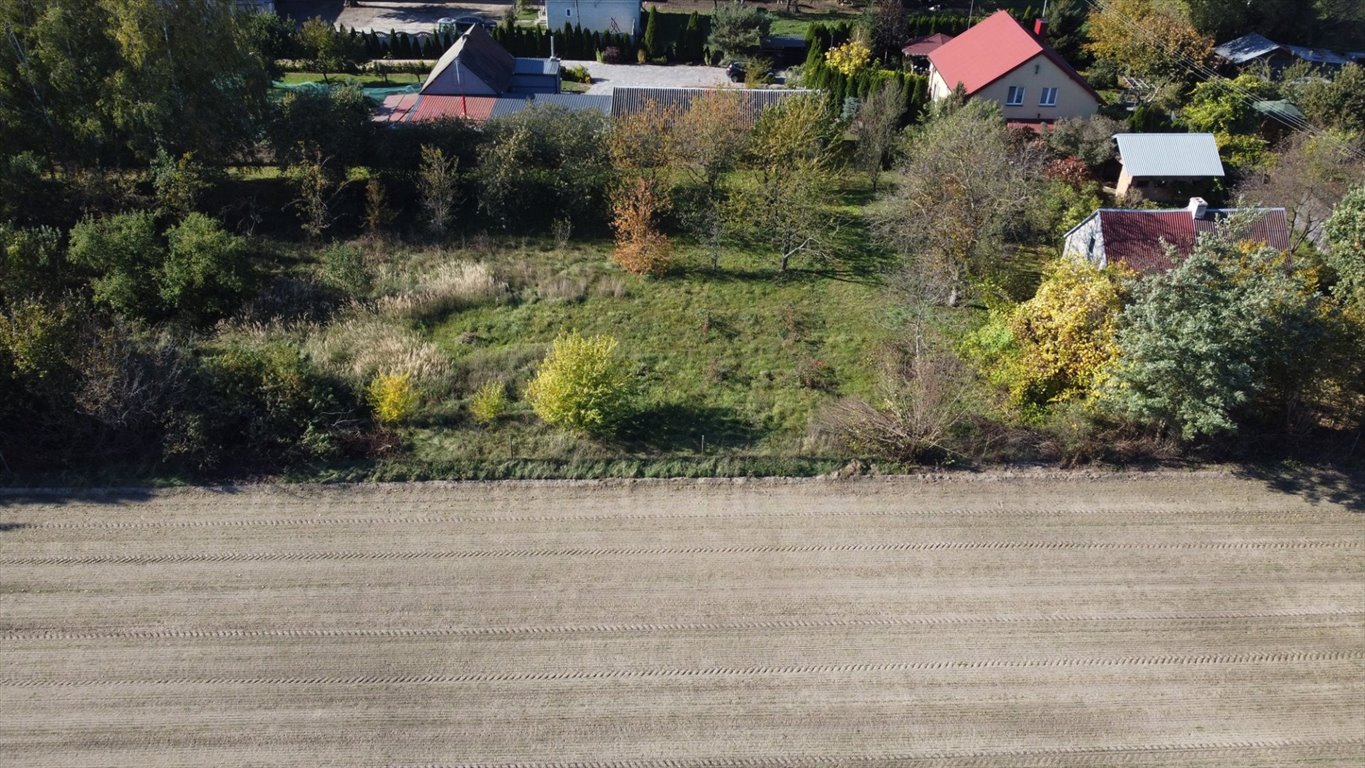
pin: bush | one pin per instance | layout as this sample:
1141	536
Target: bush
576	74
344	268
333	123
583	385
641	248
30	261
206	270
739	29
489	402
124	254
260	405
1345	233
1055	346
393	396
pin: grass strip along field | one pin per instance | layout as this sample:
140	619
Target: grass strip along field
1190	619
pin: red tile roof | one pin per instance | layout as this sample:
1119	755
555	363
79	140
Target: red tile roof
923	46
992	49
1138	239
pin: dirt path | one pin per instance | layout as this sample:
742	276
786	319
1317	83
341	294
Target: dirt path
1192	620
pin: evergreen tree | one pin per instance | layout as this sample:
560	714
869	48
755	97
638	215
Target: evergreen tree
652	32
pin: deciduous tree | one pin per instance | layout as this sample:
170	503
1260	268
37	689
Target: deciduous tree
962	192
785	205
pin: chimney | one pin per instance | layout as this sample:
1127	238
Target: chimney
1040	29
1198	207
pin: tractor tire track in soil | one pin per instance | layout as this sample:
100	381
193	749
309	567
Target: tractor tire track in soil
1192	619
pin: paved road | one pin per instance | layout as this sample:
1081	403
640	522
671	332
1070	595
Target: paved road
1190	620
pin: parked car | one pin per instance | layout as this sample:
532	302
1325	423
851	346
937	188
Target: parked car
465	22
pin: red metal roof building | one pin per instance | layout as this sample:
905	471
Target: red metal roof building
923	46
1152	241
998	59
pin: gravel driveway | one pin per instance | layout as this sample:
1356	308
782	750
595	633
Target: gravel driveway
607	76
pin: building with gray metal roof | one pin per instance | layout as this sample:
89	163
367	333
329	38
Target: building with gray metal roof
1158	166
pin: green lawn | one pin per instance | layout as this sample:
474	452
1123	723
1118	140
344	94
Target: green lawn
368	80
739	358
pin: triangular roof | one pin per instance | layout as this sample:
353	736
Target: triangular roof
923	46
477	52
1139	239
992	49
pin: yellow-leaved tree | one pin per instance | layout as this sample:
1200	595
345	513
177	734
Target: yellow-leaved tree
1058	345
850	58
583	385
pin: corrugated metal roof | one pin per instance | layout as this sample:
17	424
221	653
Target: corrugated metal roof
577	101
1246	48
506	107
1139	239
394	109
923	46
627	100
525	66
435	107
1318	55
1169	155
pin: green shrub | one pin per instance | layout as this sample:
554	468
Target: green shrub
489	402
124	254
259	405
206	269
30	261
583	385
344	268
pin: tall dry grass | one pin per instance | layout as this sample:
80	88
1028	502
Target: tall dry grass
442	289
359	347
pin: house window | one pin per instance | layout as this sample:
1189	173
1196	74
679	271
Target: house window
1049	98
1016	96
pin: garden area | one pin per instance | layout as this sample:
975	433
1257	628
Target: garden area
234	280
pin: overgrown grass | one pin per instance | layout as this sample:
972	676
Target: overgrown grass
735	359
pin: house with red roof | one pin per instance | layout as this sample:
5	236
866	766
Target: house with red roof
1148	241
1000	60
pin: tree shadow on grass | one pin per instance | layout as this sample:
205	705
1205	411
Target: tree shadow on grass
675	427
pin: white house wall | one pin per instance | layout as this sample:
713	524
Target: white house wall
1033	76
621	16
1086	242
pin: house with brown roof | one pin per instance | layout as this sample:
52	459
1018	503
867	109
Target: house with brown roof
999	60
1152	241
477	66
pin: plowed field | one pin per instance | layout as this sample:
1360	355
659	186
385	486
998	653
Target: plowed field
1161	620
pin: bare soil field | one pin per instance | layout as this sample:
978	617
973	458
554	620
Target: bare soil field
1170	619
